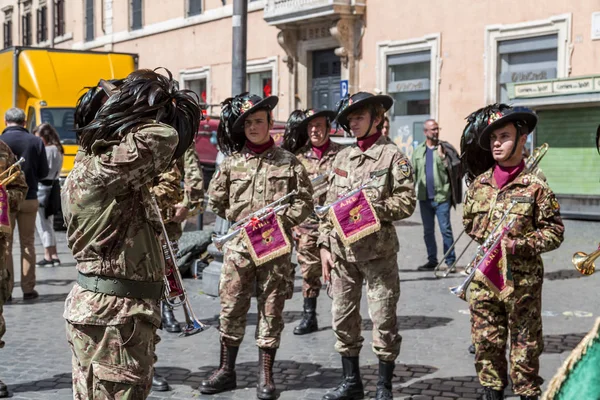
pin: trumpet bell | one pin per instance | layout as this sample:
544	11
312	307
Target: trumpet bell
584	263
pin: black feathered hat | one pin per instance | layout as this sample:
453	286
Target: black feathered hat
360	100
475	160
234	111
500	118
312	114
296	127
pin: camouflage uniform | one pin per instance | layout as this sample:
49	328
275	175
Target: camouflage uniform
373	258
16	190
309	257
538	228
113	232
168	192
244	183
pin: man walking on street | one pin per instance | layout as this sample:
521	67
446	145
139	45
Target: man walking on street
24	144
438	185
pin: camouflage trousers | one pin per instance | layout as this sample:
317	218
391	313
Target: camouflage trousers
239	278
492	322
112	362
309	258
383	293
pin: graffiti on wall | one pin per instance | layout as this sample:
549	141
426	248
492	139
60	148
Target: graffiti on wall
404	140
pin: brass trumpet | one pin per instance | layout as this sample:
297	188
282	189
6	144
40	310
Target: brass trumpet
531	165
584	263
10	171
482	252
175	293
236	228
323	210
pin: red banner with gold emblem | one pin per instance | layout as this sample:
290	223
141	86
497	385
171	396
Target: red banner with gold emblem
4	211
266	239
354	218
495	272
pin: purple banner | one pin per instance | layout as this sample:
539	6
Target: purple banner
494	271
266	239
354	218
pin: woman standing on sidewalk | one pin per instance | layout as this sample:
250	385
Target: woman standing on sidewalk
45	223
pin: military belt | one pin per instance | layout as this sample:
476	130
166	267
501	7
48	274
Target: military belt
121	287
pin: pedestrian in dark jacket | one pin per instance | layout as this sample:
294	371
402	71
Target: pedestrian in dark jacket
439	186
31	148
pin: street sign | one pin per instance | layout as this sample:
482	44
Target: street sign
343	89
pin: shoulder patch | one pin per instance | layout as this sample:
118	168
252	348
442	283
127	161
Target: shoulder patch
405	167
555	205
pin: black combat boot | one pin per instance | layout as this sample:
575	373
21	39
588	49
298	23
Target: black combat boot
491	394
169	322
529	397
159	384
265	388
384	385
351	387
309	318
3	390
223	378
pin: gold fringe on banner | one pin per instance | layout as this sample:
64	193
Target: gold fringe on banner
562	374
347	241
273	255
509	284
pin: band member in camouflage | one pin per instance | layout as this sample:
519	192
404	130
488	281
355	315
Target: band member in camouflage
16	191
112	312
254	174
307	136
538	228
372	258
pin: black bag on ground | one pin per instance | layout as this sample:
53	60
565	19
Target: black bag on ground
52	202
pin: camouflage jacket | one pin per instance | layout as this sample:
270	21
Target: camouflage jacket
17	189
112	229
315	168
245	182
393	199
168	191
538	225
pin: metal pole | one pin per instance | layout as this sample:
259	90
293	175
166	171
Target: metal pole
240	40
239	22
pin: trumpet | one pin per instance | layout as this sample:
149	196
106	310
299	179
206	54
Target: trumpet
531	165
11	172
261	214
482	253
175	293
219	241
584	263
323	210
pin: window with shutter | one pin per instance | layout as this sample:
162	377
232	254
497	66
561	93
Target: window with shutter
59	18
42	24
136	14
89	20
194	7
26	23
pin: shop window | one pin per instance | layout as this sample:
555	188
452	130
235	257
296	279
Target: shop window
260	83
409	83
528	59
198	86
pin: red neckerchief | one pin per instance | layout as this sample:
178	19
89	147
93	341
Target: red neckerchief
365	142
320	150
504	175
260	148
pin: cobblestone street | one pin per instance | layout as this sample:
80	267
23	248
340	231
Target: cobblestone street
433	363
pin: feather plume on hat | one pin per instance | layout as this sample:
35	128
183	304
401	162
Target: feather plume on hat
474	159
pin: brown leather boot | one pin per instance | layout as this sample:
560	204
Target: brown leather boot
224	378
265	389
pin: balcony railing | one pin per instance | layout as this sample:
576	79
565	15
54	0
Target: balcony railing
288	11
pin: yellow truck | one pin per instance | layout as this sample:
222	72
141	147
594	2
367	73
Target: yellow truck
46	84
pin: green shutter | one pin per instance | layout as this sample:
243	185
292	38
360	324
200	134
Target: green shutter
572	164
